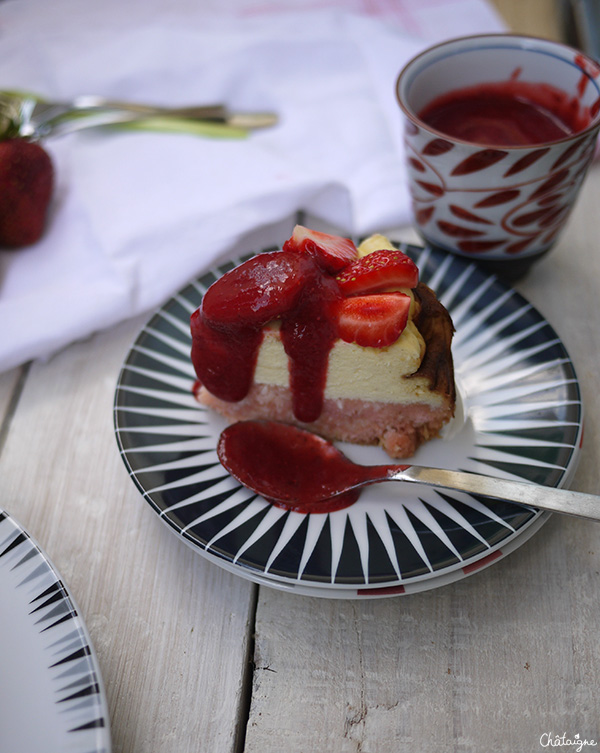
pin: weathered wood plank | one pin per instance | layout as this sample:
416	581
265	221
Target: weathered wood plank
10	383
565	287
490	663
170	629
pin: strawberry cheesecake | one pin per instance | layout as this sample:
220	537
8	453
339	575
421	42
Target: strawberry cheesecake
341	340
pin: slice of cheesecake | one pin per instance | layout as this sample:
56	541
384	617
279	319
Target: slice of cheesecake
343	341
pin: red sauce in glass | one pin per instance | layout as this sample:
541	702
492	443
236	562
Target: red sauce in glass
507	113
227	329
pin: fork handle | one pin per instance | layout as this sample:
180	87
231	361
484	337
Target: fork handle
201	112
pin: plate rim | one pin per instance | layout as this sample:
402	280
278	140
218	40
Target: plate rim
425	254
100	724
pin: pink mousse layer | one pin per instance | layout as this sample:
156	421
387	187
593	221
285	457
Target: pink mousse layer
399	429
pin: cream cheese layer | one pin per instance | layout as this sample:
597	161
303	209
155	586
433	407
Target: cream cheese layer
356	372
375	374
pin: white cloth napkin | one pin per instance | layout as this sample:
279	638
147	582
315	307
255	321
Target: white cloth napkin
136	215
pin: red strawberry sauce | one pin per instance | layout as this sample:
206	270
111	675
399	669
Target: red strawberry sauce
290	468
227	328
507	113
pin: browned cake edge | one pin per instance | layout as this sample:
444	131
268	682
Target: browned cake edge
435	325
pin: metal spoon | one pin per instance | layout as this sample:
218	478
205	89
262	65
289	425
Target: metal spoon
295	468
27	115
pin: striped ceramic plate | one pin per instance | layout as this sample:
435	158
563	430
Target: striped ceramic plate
51	694
520	417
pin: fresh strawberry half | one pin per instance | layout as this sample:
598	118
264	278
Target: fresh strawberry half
332	252
26	184
377	271
373	320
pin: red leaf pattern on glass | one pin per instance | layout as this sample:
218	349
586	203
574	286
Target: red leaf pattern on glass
550	184
416	165
479	161
567	154
557	216
499	197
464	214
552	199
526	161
530	217
437	147
424	215
431	188
458	231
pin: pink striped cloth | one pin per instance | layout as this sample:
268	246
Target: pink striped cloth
135	216
431	20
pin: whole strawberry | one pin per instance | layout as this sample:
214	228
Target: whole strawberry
26	183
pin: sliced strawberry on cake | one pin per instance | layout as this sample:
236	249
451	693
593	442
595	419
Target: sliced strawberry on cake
373	321
330	251
378	270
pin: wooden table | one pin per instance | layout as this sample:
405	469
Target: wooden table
197	659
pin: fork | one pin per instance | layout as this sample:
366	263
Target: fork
28	115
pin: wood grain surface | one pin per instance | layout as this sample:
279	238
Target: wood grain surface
172	632
197	659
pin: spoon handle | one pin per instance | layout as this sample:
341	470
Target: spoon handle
543	497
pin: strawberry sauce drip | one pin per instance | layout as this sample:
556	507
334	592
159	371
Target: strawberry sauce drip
508	113
227	329
308	333
224	358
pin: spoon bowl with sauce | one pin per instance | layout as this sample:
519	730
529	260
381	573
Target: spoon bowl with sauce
297	470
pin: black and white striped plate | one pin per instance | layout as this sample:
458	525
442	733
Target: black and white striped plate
519	416
51	695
